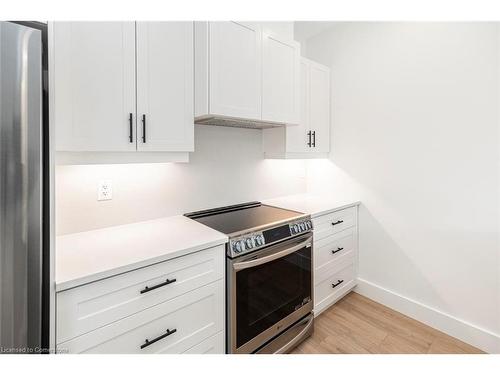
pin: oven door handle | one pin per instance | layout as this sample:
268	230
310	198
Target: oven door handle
271	257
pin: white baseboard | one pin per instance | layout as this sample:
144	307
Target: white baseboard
464	331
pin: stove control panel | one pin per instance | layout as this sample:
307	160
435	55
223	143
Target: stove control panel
300	226
256	240
246	243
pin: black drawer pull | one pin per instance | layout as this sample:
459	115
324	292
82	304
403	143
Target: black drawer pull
338	249
336	285
338	222
143	128
309	143
130	130
149	342
150	288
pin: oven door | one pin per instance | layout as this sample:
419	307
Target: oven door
268	292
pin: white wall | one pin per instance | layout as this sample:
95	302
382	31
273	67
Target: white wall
415	133
226	168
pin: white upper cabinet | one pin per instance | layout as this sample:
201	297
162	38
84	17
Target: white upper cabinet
280	79
165	86
94	85
109	76
245	74
235	69
297	136
311	138
318	106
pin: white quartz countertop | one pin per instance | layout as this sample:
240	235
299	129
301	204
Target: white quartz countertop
89	256
313	204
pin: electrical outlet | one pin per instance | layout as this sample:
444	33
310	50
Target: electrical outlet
105	190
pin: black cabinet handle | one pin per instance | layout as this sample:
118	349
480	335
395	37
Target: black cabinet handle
314	138
338	222
337	284
309	137
338	249
130	129
150	288
143	128
152	341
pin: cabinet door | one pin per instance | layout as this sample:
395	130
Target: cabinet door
165	118
280	79
235	69
319	106
94	85
296	136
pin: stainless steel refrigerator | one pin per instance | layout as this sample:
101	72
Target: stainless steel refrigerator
24	263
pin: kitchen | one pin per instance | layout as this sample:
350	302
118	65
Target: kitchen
252	228
265	187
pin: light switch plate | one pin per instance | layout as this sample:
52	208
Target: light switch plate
105	190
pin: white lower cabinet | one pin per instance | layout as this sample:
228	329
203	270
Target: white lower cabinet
335	222
335	256
171	307
329	288
333	248
170	327
212	345
95	305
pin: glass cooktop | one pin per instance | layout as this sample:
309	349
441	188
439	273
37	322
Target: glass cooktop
243	217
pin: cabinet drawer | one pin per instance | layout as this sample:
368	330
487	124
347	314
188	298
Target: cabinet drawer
335	222
330	288
88	307
212	345
195	316
332	248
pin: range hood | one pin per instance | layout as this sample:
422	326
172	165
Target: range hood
237	122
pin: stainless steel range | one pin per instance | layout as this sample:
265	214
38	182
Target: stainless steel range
268	273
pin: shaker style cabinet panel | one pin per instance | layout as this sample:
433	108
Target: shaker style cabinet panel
280	79
297	136
94	85
318	106
123	86
165	86
235	69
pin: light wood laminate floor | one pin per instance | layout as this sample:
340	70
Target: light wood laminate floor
358	325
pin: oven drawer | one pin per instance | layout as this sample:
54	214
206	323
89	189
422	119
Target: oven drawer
88	307
213	345
195	316
335	247
331	287
329	224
